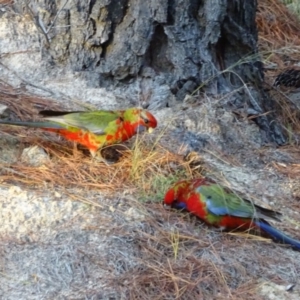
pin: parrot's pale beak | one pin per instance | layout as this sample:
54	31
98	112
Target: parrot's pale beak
150	129
142	128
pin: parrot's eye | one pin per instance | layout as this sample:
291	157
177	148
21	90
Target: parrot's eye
146	121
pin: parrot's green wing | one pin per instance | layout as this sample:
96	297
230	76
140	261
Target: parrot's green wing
221	202
96	121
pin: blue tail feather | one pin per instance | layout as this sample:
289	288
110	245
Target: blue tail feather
278	235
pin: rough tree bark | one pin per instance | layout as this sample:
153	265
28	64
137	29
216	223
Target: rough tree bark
168	48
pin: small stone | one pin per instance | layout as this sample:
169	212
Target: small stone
57	195
34	156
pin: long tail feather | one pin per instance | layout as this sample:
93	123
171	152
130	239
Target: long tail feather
54	113
33	124
278	235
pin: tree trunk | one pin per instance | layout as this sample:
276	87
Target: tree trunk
166	48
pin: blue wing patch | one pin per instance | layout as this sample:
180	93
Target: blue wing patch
179	205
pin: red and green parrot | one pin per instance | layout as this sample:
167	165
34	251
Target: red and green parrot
219	207
94	129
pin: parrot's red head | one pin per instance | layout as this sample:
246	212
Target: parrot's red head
176	196
180	194
147	120
137	120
